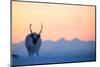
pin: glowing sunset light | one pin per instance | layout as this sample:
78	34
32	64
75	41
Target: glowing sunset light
59	21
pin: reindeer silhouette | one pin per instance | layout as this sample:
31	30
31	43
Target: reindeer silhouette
33	42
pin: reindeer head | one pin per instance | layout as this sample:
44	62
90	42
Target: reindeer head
35	36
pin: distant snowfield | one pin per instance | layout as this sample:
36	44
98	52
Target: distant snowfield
56	52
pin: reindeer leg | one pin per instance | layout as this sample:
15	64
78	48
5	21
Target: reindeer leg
30	51
37	51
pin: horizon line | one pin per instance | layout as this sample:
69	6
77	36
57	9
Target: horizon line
59	40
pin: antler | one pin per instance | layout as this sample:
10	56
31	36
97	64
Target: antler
30	28
41	29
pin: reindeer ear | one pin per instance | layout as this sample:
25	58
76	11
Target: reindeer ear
38	36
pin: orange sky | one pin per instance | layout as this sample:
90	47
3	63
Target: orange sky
59	21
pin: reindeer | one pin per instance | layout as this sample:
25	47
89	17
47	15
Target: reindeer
33	42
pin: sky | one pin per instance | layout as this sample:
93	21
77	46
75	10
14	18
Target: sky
59	21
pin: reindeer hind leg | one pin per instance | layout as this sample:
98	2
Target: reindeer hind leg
37	52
